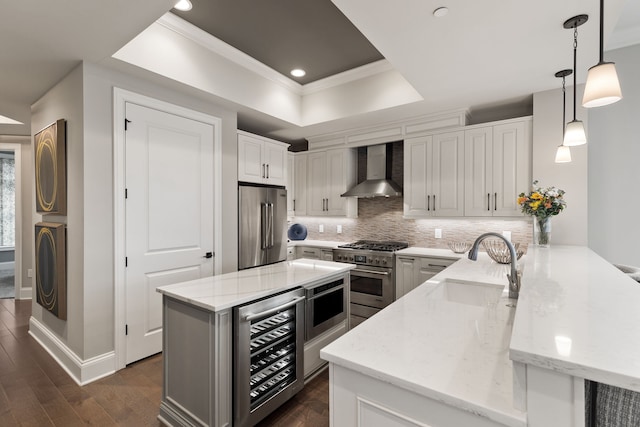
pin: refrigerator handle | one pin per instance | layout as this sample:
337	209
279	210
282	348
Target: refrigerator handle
271	228
263	226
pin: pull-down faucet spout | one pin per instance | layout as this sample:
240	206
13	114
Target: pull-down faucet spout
514	277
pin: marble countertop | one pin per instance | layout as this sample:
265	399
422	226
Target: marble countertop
418	251
325	244
578	314
431	343
216	293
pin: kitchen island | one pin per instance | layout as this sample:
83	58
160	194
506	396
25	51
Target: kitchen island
449	354
198	335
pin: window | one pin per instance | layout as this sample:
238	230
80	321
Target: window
7	199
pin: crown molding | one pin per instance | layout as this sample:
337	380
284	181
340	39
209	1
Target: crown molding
215	45
347	76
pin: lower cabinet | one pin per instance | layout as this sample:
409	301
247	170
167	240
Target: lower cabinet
412	271
310	252
312	361
360	400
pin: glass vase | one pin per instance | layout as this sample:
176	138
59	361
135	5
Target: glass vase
541	231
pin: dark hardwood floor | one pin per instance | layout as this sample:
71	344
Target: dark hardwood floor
36	391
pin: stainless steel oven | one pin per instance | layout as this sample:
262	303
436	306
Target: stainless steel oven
268	349
373	279
326	307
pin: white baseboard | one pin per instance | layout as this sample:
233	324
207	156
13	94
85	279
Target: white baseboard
82	371
26	293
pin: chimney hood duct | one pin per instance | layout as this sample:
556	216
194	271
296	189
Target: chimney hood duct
378	182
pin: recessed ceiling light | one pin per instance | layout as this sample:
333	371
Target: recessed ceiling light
298	72
183	5
440	12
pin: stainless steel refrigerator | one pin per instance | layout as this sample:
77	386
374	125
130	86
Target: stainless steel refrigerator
262	225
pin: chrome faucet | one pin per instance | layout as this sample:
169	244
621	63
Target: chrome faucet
514	277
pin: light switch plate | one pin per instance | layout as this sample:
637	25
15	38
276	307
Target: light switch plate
29	272
438	233
321	228
339	229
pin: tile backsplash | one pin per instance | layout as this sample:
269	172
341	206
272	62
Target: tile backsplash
381	219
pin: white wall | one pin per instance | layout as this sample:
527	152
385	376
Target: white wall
85	99
64	101
570	226
614	167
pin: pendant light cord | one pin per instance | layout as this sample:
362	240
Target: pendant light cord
601	31
575	71
564	104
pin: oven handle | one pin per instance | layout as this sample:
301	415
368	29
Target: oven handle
328	291
382	273
249	317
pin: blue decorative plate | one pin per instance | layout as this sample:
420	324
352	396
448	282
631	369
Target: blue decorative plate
297	232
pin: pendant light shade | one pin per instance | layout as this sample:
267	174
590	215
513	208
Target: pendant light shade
574	134
602	87
563	154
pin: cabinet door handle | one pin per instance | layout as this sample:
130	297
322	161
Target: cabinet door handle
488	201
294	205
327	204
263	170
437	265
495	201
434	202
267	171
429	202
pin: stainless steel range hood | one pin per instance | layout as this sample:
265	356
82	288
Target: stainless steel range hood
378	182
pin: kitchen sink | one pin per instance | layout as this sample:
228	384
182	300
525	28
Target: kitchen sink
471	293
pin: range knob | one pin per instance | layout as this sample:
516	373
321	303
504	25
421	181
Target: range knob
384	261
351	258
338	257
377	260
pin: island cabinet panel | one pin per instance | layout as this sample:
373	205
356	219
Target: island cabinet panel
197	372
357	400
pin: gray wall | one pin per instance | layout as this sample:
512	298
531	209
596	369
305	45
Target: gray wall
614	167
85	99
570	226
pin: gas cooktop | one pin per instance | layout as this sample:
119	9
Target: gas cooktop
373	245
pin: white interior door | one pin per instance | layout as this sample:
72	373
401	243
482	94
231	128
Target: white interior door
169	216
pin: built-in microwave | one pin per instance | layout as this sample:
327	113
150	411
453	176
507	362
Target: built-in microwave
326	307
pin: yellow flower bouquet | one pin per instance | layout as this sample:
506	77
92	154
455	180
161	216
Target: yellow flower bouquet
542	203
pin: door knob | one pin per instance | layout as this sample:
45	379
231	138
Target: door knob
208	255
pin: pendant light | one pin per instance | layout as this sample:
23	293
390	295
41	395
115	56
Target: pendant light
563	154
602	87
574	133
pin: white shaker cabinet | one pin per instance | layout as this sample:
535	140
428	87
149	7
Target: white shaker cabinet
300	184
261	160
434	175
331	173
290	184
497	168
412	271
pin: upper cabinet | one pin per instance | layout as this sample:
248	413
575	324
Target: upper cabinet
290	184
497	168
329	174
261	160
434	175
300	184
